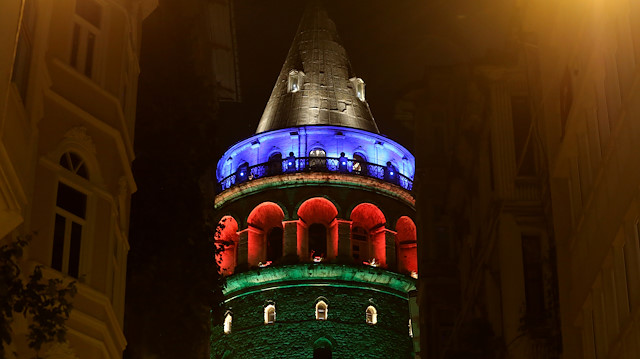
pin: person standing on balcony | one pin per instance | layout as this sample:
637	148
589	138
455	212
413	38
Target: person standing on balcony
343	163
291	162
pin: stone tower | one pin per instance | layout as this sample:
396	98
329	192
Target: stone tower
318	219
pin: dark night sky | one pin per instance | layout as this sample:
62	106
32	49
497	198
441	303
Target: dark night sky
389	44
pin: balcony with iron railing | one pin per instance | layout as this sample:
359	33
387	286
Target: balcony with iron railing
246	173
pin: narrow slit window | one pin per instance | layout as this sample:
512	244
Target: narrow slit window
270	314
371	315
321	310
228	319
295	81
358	87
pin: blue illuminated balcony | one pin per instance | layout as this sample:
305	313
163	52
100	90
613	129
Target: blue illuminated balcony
316	149
246	173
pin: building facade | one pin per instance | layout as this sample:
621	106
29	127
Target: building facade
316	213
68	72
586	105
535	176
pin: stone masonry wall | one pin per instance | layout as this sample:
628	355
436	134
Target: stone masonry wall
296	329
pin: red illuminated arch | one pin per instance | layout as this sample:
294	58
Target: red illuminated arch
317	210
226	240
262	220
368	234
406	242
367	216
313	212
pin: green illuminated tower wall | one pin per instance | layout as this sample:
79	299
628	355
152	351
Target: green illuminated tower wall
296	332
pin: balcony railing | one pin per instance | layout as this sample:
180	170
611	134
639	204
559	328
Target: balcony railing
315	164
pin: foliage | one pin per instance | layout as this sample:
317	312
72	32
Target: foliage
46	303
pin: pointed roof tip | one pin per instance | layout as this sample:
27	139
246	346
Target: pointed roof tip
326	91
313	4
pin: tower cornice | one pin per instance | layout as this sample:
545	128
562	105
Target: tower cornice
318	274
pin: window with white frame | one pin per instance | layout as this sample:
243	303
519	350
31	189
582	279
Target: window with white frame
227	323
321	310
371	315
358	87
270	314
84	38
70	218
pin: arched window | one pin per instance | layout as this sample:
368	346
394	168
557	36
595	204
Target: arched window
406	246
227	323
321	310
317	159
274	166
322	349
263	220
274	244
317	241
371	315
369	235
360	244
70	219
270	314
359	164
75	164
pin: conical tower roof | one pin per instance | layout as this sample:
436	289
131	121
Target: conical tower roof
326	92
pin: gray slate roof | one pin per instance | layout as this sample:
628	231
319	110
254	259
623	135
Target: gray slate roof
326	96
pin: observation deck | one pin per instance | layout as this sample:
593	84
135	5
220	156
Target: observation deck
316	164
322	148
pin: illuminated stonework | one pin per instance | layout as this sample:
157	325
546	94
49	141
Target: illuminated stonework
318	275
316	211
294	180
324	94
367	154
